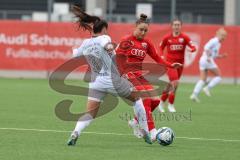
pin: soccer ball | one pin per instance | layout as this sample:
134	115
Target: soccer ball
165	136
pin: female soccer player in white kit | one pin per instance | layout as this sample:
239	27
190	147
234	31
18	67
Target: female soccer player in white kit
207	64
99	51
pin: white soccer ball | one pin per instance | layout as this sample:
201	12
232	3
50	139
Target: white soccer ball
165	136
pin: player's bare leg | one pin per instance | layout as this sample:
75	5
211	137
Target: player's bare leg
217	78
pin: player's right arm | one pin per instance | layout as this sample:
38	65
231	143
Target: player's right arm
159	59
190	44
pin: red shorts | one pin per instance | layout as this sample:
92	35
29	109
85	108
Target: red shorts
141	84
175	74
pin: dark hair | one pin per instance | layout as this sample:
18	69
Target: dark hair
87	22
176	19
143	19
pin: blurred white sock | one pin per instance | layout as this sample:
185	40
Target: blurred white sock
83	122
139	111
214	82
198	87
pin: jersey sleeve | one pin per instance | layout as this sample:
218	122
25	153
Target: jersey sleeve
105	39
77	52
153	54
162	45
121	55
123	46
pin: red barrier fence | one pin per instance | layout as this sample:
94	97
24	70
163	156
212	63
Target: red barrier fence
42	46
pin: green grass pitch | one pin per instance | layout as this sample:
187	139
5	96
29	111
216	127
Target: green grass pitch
29	104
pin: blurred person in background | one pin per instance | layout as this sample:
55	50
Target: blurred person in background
176	43
207	65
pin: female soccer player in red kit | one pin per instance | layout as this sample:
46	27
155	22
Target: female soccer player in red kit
175	43
133	49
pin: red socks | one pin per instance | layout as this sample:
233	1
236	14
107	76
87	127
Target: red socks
164	96
171	97
147	105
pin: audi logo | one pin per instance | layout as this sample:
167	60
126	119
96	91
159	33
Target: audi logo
138	52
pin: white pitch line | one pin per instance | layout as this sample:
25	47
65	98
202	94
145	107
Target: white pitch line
117	134
210	139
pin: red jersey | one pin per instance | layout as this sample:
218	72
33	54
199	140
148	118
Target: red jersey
176	47
135	51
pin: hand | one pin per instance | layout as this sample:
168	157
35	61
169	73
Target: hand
109	47
176	65
193	49
75	52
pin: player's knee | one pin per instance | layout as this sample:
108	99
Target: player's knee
175	84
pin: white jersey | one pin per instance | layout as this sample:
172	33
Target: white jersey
211	48
106	77
99	59
211	51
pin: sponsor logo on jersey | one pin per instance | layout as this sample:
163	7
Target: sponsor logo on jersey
180	40
138	52
176	47
144	45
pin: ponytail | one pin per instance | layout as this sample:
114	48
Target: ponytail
85	21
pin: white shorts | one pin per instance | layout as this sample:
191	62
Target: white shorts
204	64
103	85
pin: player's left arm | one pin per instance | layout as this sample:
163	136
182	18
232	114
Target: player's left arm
221	55
153	54
190	44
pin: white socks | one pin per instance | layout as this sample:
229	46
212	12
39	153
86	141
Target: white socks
141	115
201	83
198	87
83	122
214	82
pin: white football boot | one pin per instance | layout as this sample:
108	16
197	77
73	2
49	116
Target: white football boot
171	108
206	91
161	107
153	134
194	98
